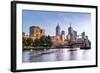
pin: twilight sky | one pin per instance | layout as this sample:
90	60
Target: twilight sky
81	22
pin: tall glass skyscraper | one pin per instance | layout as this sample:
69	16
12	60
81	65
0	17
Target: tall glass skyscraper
72	34
58	30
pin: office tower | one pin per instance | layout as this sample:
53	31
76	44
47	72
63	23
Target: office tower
63	35
36	32
58	30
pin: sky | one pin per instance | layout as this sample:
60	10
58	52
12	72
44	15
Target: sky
48	20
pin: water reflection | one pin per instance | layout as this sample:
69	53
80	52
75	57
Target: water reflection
55	55
73	55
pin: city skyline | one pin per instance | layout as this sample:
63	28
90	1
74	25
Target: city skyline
81	22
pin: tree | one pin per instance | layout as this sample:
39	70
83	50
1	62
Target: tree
29	42
44	41
24	42
36	43
48	41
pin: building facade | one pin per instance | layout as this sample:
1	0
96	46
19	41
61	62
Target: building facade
63	35
72	34
58	30
36	32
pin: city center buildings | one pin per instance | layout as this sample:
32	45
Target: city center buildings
60	38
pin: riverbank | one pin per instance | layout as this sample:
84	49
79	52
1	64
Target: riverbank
64	47
42	48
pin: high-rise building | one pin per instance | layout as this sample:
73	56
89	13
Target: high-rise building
70	30
83	35
75	35
62	32
72	34
58	30
36	32
63	35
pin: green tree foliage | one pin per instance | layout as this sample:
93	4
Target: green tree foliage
27	42
36	43
24	41
48	41
44	41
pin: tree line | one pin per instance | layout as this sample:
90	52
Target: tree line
44	41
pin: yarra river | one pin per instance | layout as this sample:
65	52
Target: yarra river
65	54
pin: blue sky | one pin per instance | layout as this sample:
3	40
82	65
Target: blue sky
81	22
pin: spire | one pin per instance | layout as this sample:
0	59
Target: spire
57	30
58	25
70	24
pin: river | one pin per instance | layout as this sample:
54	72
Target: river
55	55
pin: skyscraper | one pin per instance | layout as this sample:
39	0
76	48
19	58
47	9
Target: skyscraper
36	32
83	35
72	34
75	35
58	30
63	35
70	30
62	32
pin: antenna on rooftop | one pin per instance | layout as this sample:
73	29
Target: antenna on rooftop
70	24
